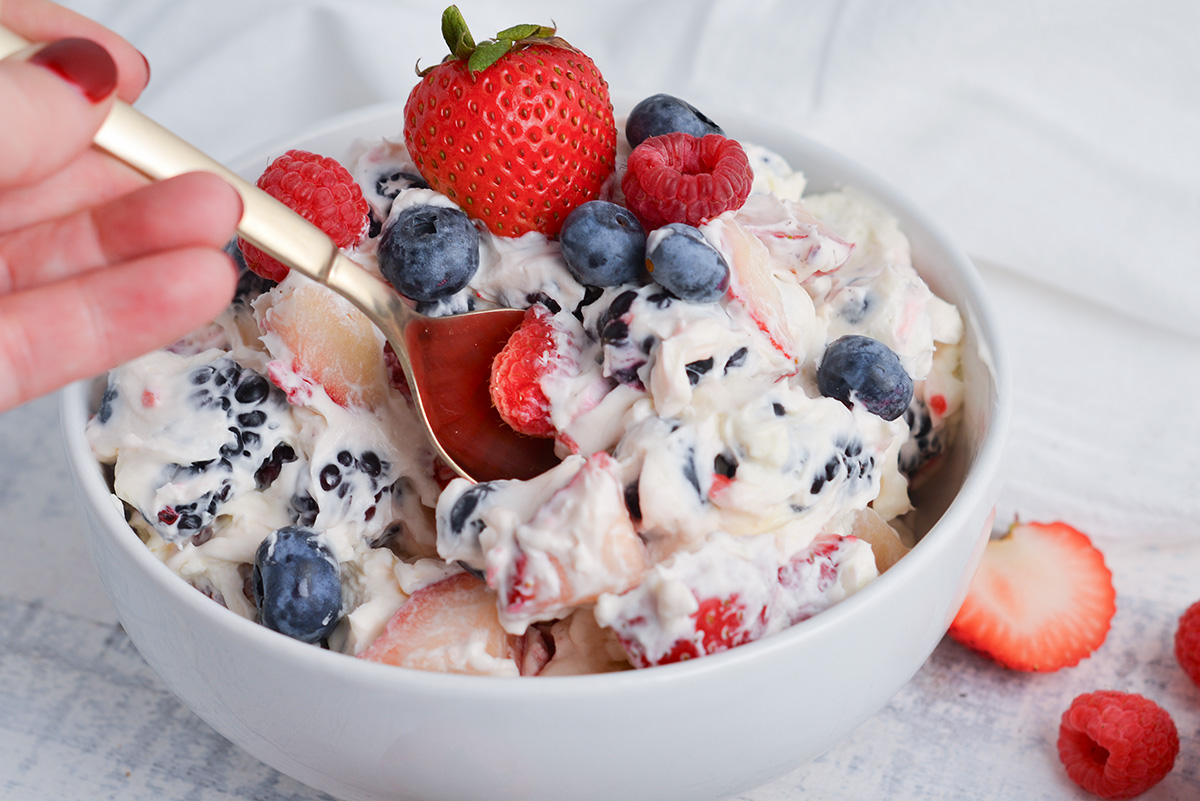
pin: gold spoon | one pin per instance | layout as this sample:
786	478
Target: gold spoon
446	360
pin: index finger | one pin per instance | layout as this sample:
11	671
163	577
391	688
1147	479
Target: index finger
43	21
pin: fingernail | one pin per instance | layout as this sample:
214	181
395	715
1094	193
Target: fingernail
81	62
145	61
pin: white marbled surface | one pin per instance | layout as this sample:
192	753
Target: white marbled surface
1057	141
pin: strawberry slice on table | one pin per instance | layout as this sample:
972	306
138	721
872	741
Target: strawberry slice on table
1043	599
517	130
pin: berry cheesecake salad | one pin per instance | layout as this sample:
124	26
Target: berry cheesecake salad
742	381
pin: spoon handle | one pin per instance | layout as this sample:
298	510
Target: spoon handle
152	150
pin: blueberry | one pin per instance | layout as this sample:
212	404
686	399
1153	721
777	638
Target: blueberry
591	294
330	477
462	514
251	387
297	586
724	465
633	501
106	404
663	114
386	185
544	299
615	332
737	359
429	252
864	369
304	509
681	261
345	485
603	244
460	527
698	369
923	444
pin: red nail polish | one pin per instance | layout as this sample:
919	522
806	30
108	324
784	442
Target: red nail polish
81	62
145	61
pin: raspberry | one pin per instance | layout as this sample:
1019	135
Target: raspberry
679	178
323	192
1187	642
517	371
1115	744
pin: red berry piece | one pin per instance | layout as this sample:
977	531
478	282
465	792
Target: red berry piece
679	178
1117	745
531	353
1041	600
1187	642
449	626
321	191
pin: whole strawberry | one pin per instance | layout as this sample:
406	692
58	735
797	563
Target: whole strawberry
517	130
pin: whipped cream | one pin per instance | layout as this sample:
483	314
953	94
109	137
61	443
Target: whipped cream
699	460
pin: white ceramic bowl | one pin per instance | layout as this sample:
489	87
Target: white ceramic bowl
696	730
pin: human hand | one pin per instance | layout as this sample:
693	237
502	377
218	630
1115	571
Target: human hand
97	265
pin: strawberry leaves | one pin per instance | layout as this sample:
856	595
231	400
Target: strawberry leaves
486	53
457	34
503	157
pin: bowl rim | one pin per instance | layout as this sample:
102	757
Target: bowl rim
981	471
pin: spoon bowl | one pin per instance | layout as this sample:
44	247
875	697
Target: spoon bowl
446	360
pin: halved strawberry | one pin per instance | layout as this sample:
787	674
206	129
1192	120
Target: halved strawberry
533	351
1042	599
449	626
752	287
316	336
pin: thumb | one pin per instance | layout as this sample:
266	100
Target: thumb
55	99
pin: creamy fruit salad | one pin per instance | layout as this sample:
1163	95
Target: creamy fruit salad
742	380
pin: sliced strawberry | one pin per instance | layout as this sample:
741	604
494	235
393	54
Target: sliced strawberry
443	626
752	286
580	543
325	341
532	352
796	240
721	623
757	594
1042	599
